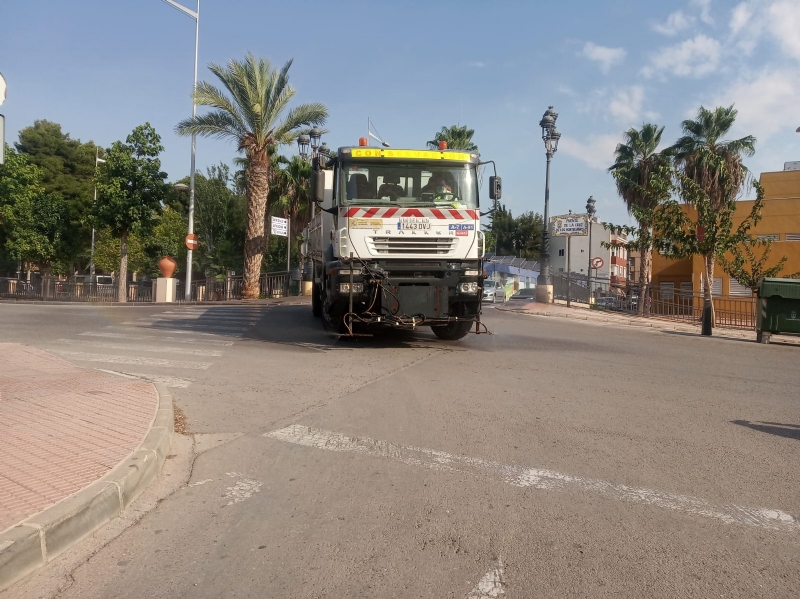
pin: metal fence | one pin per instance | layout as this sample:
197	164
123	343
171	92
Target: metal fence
273	284
63	291
683	306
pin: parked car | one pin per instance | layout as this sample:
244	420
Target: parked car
524	295
493	290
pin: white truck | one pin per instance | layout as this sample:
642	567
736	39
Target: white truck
396	239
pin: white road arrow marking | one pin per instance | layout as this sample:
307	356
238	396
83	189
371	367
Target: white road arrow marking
492	585
548	480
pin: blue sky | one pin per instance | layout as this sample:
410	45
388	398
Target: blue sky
101	67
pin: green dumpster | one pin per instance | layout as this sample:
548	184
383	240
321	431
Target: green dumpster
778	308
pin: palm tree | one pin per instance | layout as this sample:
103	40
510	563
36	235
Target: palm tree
636	161
713	165
249	111
458	137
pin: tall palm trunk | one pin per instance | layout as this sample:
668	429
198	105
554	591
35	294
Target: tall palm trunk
708	288
645	264
255	241
122	279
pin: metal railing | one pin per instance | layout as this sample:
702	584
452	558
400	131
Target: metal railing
684	306
210	289
63	291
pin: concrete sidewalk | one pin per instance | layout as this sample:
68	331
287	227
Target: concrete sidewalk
64	432
582	312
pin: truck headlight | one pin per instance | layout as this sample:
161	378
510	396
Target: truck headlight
468	288
345	287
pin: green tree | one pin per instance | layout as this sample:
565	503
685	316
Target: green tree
107	252
503	229
34	224
458	137
747	266
293	195
249	111
712	178
527	235
636	159
130	190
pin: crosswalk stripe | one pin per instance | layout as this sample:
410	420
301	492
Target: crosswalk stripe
141	329
215	353
201	325
116	359
219	342
169	381
205	317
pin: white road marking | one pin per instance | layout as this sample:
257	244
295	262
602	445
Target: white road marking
139	329
200	325
492	585
214	353
115	359
218	342
169	381
200	319
201	482
548	480
243	489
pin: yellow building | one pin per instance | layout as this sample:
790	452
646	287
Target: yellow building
780	222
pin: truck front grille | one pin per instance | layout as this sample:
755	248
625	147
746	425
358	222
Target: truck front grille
428	246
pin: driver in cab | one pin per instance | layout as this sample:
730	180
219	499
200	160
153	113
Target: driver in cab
437	186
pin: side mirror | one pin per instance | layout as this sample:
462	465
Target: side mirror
317	186
495	188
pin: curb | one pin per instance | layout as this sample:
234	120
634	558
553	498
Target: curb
44	536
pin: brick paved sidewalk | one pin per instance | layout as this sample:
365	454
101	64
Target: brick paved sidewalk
62	428
582	312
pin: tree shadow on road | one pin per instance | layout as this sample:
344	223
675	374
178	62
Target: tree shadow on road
789	431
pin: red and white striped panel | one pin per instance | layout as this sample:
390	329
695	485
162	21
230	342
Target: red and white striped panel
441	214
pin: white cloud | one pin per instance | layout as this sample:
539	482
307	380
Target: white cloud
766	101
740	17
774	20
705	10
605	57
676	22
477	65
626	104
784	23
596	152
691	58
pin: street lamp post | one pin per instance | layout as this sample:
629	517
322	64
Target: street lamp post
550	136
97	161
196	16
590	212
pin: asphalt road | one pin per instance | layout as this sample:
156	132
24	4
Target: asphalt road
554	458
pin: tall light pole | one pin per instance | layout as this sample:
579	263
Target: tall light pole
97	161
550	136
196	16
590	212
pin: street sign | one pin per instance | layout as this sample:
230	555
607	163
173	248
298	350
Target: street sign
597	262
192	242
569	225
280	226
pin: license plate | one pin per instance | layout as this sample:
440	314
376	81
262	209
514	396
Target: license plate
414	223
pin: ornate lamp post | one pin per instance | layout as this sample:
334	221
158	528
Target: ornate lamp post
590	212
550	136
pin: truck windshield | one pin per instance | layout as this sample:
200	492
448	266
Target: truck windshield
416	185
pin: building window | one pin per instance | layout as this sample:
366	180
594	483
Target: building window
793	237
560	270
770	237
667	290
560	252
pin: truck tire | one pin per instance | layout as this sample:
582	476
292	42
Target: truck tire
453	331
316	300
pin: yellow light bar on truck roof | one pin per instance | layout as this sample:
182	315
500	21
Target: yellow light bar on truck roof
413	154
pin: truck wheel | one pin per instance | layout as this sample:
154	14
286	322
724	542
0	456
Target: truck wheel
453	331
316	300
